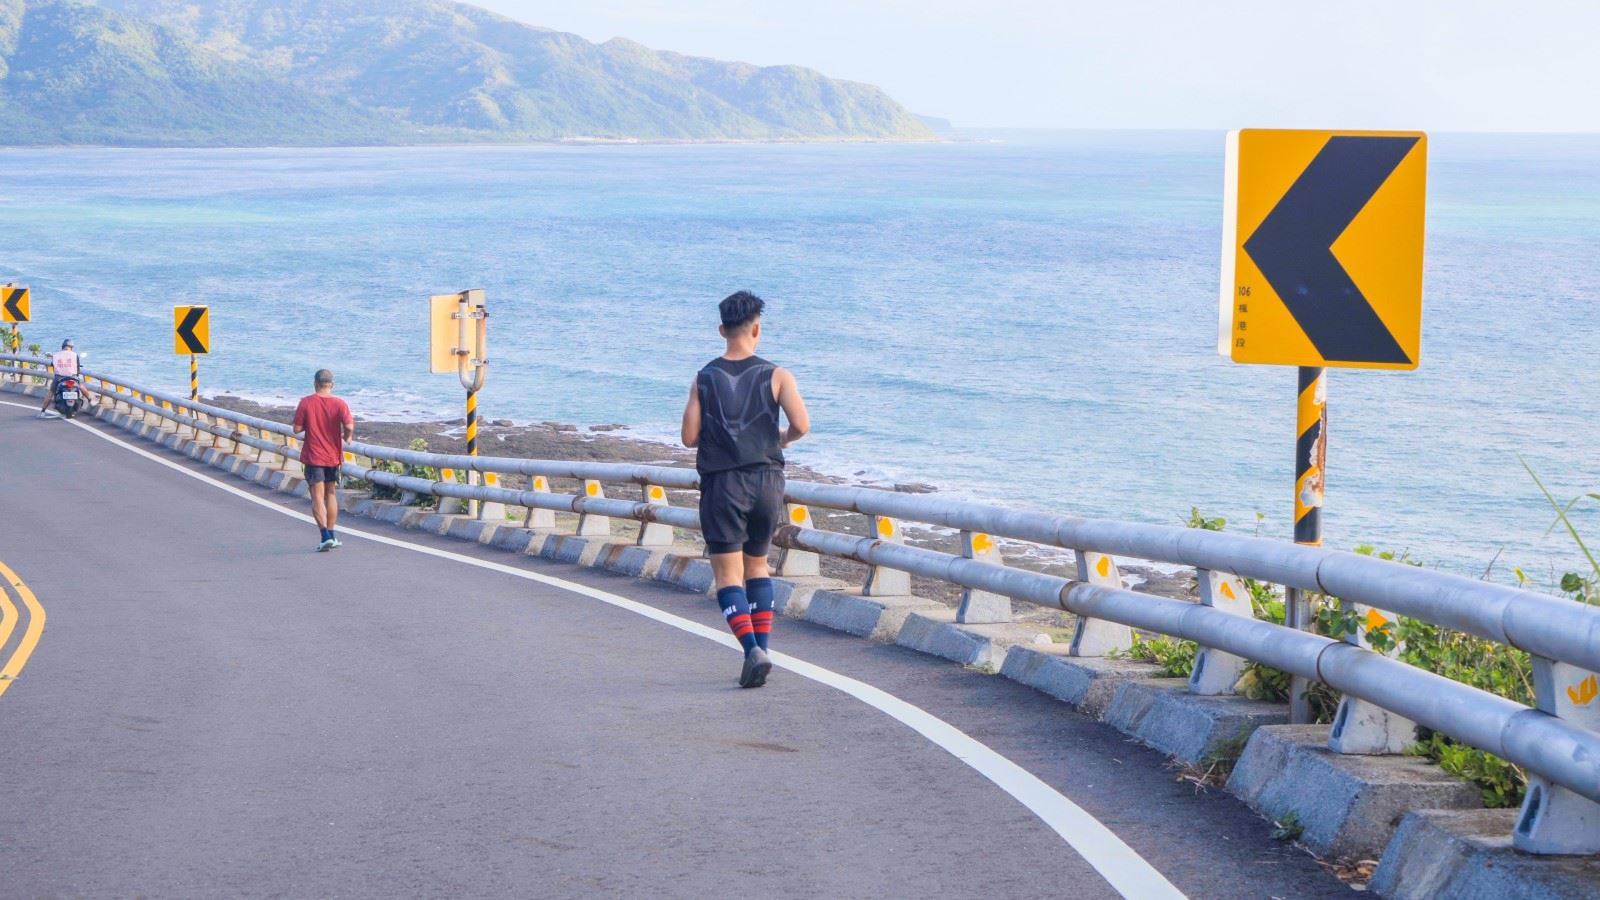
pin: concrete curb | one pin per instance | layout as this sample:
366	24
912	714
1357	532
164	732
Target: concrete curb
1086	683
1468	854
1196	729
632	560
879	618
792	596
984	646
1348	806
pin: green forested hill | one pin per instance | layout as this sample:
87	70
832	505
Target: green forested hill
220	72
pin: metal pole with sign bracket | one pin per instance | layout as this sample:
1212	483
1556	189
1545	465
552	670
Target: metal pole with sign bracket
455	339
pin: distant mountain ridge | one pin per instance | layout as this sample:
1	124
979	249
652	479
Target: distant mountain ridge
243	72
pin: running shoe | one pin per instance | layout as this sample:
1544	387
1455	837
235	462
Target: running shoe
760	677
756	667
327	545
337	543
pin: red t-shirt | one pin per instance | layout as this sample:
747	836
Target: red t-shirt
322	417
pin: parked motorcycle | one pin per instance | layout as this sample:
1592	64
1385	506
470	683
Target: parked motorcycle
70	398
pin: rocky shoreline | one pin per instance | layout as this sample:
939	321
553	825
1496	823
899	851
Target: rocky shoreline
611	443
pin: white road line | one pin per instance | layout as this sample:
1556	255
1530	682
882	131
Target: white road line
1117	863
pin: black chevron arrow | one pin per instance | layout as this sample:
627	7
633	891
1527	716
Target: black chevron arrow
13	305
1293	248
186	329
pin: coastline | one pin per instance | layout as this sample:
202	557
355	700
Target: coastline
454	142
613	443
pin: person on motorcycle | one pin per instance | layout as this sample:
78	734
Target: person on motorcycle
63	364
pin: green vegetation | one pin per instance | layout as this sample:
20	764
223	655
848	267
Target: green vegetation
317	72
1173	656
1582	587
1288	829
386	492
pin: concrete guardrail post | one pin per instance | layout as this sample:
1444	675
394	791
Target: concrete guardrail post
794	563
166	421
204	437
182	429
491	510
540	519
210	439
982	607
589	524
242	450
290	464
881	581
450	506
1361	726
1555	820
1216	672
655	534
1098	637
268	459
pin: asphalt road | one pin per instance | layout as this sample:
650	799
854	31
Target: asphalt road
215	710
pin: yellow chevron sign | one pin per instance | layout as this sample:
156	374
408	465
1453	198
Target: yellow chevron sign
191	330
1322	248
14	304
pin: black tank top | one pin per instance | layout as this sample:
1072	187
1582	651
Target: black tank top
738	416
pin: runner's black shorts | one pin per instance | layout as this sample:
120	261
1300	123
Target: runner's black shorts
740	509
321	474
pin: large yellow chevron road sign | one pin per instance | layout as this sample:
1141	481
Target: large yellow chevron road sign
1322	248
191	330
14	306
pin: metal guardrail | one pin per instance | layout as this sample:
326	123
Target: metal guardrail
1558	742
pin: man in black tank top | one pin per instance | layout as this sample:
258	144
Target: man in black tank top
732	422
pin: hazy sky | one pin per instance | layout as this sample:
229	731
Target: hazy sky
1477	65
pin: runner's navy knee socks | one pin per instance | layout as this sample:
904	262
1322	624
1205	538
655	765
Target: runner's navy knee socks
759	591
736	609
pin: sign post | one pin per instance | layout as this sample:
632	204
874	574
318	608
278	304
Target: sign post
1321	267
456	345
191	336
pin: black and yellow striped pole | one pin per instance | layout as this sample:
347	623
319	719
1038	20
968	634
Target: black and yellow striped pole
1310	479
194	377
1310	455
472	353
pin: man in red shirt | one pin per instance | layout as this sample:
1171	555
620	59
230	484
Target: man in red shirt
323	423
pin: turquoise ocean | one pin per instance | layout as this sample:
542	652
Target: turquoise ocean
1029	320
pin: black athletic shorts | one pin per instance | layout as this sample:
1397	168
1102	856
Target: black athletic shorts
320	474
740	509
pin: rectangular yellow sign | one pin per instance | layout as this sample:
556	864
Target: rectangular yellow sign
444	332
1322	248
191	330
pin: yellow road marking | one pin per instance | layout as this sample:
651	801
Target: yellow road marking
8	617
30	637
